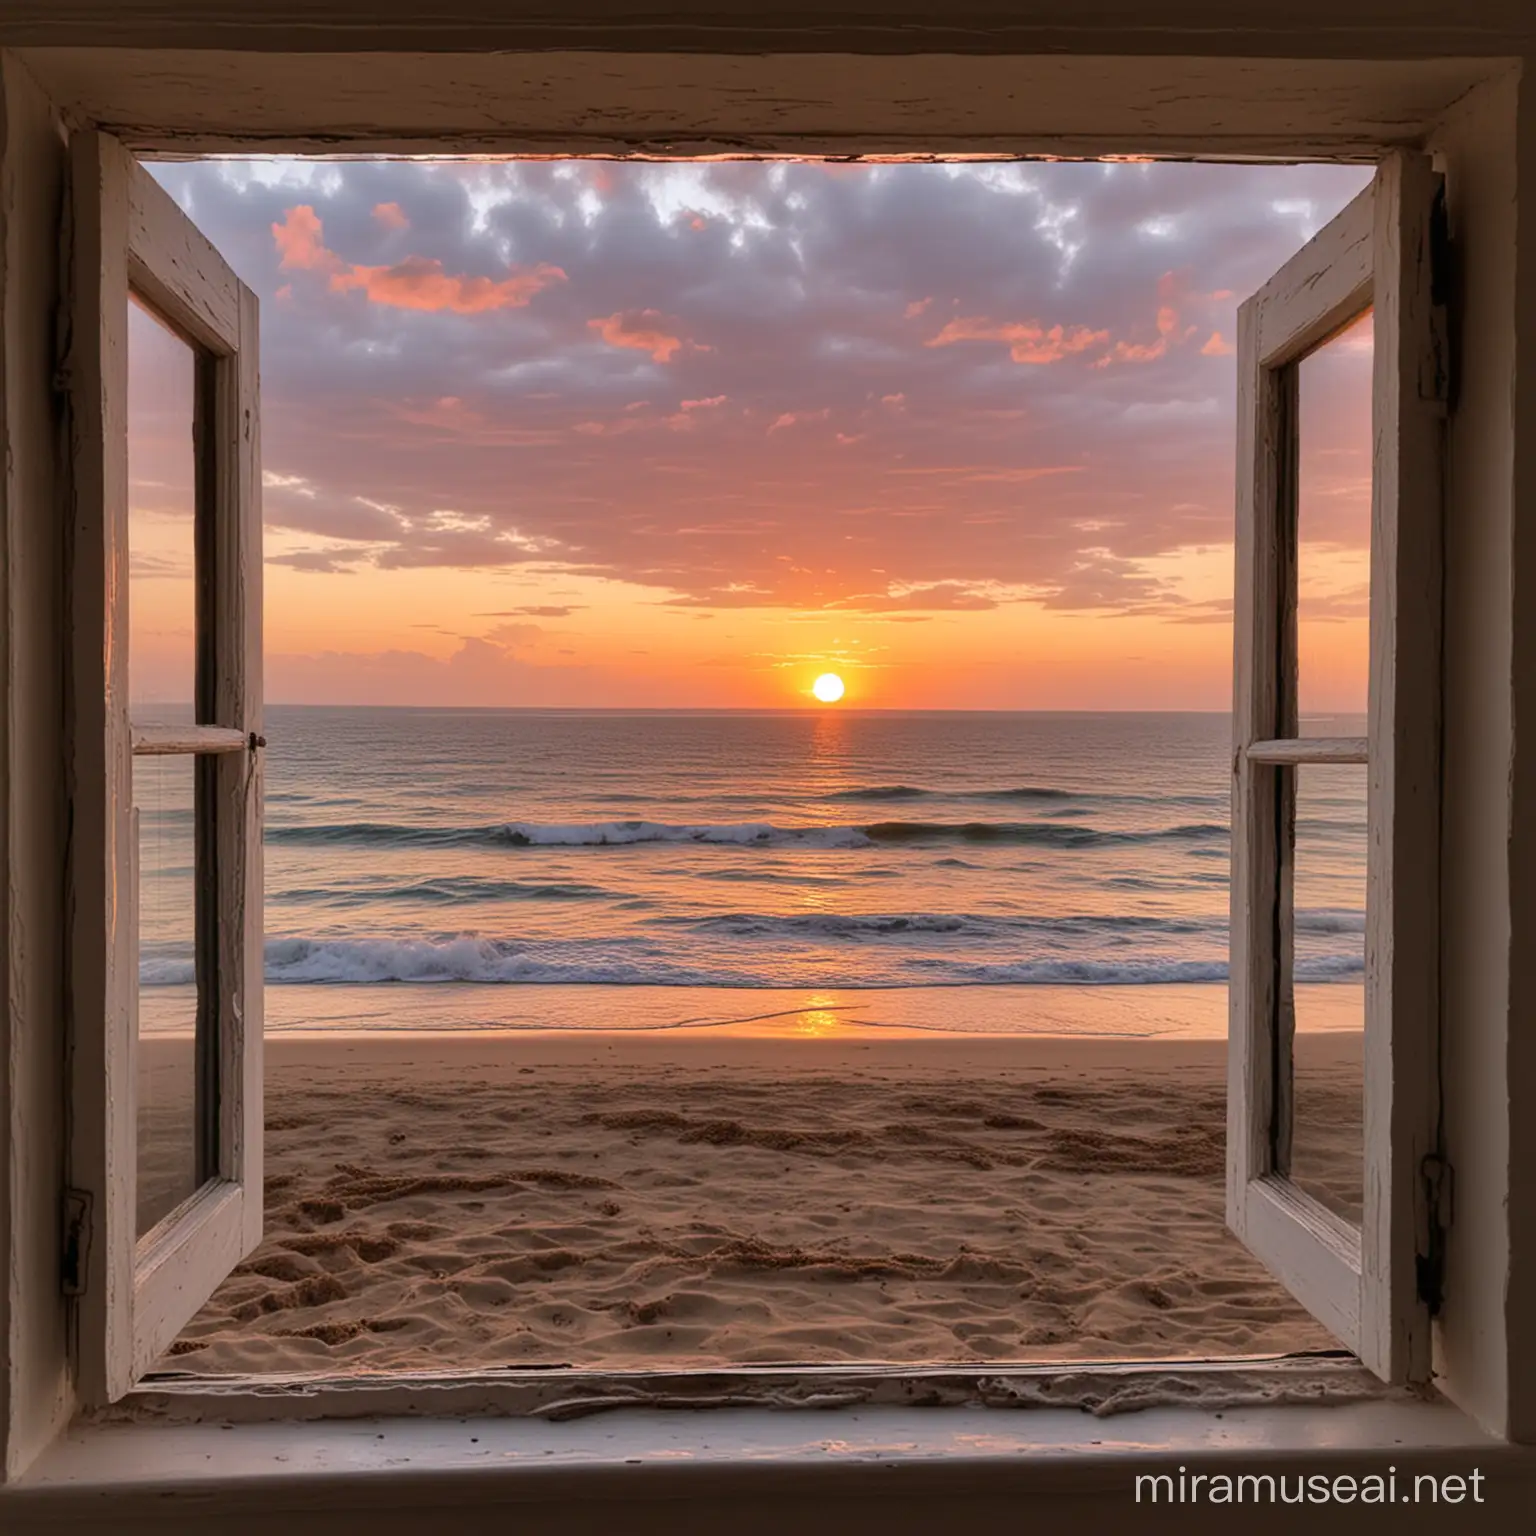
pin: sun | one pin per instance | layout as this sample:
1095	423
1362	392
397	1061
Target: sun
828	688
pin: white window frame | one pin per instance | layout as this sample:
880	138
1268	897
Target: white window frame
133	1294
1373	1286
1364	1284
1287	88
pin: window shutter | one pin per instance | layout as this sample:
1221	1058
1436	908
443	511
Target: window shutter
136	1291
1372	1285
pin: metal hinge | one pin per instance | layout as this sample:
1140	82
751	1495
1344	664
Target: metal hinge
75	1258
1439	1183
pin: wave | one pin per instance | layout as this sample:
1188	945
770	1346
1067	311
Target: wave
1085	973
751	834
361	962
913	792
1044	793
1062	956
448	891
897	925
1036	833
468	959
597	834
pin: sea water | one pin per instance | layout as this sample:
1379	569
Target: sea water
528	868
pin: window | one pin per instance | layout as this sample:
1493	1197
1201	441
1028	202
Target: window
139	1278
182	784
1373	1284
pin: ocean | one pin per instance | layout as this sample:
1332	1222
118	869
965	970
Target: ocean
548	868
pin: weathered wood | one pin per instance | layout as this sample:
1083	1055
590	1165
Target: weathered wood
599	102
1265	406
137	1296
1378	251
1312	1252
172	266
1105	27
206	1234
237	701
103	960
185	740
1402	938
1310	749
1324	287
1303	303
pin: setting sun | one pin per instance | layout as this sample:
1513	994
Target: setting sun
828	688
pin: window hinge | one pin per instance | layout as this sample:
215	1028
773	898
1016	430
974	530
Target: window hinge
1430	1264
77	1241
256	741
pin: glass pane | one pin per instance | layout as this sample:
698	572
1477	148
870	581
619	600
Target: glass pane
1327	1147
163	792
1334	529
162	607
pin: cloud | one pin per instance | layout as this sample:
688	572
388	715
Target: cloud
795	418
537	611
641	332
946	596
391	216
301	244
1027	340
824	448
418	282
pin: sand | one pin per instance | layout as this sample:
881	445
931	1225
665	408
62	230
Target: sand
441	1201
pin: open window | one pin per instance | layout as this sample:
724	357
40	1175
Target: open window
139	1262
1375	1284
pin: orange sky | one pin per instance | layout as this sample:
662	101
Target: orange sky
620	435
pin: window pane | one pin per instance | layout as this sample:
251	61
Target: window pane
162	607
1327	1149
168	1164
1334	529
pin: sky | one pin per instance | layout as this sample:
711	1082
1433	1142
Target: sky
598	433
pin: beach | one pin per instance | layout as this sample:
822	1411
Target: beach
769	1192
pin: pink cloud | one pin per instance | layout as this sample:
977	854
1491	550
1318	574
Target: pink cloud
301	242
418	282
391	216
794	418
641	332
704	405
916	307
1171	289
1217	346
1028	341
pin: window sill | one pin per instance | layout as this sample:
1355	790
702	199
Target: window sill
755	1466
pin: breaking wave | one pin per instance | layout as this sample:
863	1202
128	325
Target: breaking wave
821	949
750	834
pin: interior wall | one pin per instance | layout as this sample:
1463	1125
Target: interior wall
34	1386
1486	1344
1520	1301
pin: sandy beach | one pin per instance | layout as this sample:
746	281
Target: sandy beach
451	1201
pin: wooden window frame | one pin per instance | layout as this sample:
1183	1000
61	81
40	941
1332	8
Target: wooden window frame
1286	88
134	1294
1373	1286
